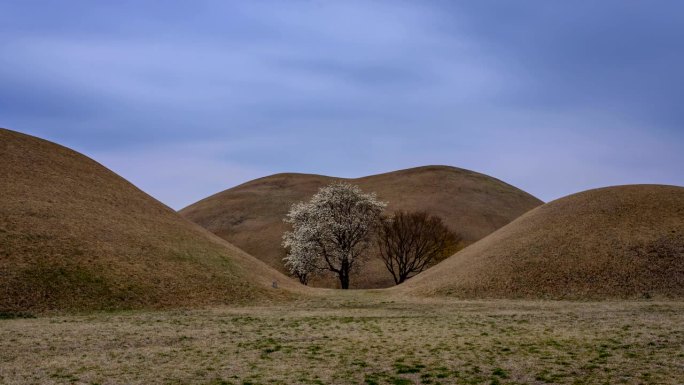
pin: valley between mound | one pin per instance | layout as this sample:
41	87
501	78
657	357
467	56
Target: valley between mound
76	236
251	215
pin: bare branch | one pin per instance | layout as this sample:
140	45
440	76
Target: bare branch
408	243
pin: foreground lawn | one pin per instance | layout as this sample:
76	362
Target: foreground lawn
355	338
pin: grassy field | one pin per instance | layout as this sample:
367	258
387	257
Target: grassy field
355	338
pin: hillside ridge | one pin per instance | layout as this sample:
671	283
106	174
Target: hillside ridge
76	236
622	241
250	215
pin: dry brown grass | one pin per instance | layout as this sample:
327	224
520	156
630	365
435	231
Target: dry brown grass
251	215
74	235
355	338
616	242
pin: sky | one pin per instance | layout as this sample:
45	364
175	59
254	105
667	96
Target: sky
188	98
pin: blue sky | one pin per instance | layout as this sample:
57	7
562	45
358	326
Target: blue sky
185	99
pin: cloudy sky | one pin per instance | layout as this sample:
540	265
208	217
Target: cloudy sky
188	98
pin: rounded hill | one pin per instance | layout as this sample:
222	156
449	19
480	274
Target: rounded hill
614	242
251	215
76	236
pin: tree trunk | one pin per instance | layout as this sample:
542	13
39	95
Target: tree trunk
344	275
344	279
403	276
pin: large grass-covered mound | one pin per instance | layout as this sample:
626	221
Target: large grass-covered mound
614	242
76	236
251	215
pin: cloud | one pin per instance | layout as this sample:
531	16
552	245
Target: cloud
178	175
551	98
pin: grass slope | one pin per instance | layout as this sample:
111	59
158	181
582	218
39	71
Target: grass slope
250	215
76	236
614	242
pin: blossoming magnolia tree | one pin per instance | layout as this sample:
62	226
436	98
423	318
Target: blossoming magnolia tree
331	232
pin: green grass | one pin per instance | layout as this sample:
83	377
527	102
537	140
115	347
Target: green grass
354	338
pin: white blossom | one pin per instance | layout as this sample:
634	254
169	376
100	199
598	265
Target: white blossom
331	232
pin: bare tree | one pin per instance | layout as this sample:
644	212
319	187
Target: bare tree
409	242
331	232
